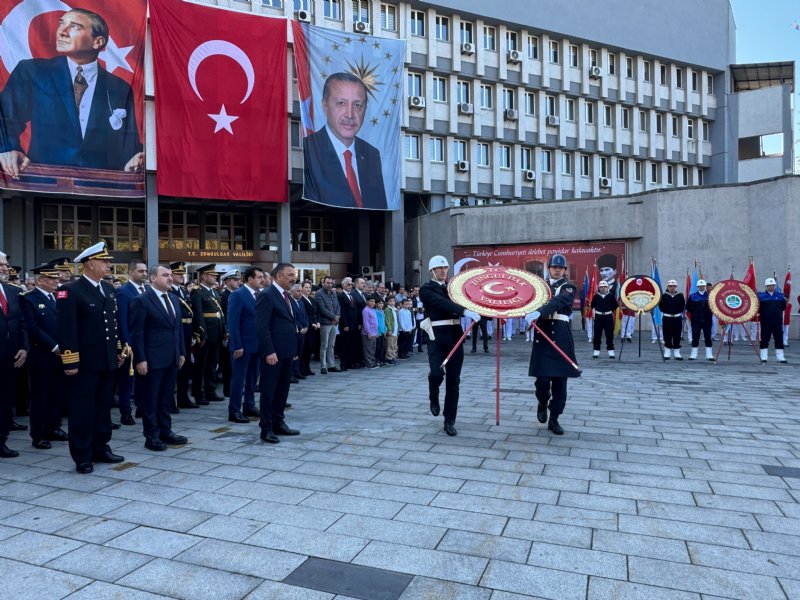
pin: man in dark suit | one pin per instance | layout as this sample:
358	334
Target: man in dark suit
179	291
13	351
301	318
158	350
311	343
44	362
79	114
209	327
86	314
243	346
231	281
350	336
277	341
135	286
332	176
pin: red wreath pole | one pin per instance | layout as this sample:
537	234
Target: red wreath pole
458	343
557	349
497	374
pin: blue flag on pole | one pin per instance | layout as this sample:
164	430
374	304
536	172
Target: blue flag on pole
655	276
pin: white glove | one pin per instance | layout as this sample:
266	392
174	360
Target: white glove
531	317
471	314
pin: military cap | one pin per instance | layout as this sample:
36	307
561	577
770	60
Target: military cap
211	269
48	269
178	268
14	271
63	264
97	252
234	274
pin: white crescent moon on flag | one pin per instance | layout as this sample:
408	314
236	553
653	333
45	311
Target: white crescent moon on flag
488	288
460	264
221	48
14	30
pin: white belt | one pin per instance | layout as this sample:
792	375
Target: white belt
598	314
556	317
673	316
446	322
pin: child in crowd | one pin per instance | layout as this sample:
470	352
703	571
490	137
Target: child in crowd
380	344
369	333
405	339
392	329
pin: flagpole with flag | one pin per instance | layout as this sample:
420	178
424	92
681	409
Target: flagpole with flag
589	295
656	311
787	293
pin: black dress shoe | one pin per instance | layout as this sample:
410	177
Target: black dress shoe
173	439
84	468
283	429
309	373
59	435
473	351
201	402
449	428
107	456
137	414
324	371
486	350
174	410
115	426
300	376
294	380
237	417
553	426
541	412
17	426
6	452
435	409
155	445
41	444
287	405
269	437
127	420
214	398
251	412
186	404
335	370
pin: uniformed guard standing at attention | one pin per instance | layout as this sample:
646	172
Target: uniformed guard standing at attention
445	323
231	281
186	313
209	325
86	315
772	305
605	305
672	305
64	266
549	368
44	358
700	312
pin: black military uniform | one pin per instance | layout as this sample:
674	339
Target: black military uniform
701	318
86	314
44	363
547	365
209	326
672	307
186	313
604	306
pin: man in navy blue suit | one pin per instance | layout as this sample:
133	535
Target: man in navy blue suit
135	287
243	346
340	168
13	351
80	115
301	318
277	347
44	361
158	352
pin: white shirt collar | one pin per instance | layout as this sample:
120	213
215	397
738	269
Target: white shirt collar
279	288
89	70
251	290
338	146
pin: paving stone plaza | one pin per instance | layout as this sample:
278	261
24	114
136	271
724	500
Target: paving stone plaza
676	481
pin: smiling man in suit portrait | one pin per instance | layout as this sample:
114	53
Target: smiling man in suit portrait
342	169
80	115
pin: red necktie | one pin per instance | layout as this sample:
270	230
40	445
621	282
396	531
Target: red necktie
3	303
351	177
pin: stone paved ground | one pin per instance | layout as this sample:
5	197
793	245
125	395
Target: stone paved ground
656	491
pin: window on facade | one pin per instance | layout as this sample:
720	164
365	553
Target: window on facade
621	168
361	11
332	9
489	38
589	113
414	83
625	113
603	166
509	100
505	157
179	229
705	131
533	47
122	228
612	64
482	150
302	5
66	227
679	78
294	134
460	150
637	171
676	126
654	173
465	30
272	3
225	231
487	95
608	115
659	124
642	121
670	175
313	233
550	106
525	159
436	147
648	71
442	28
701	177
416	24
268	230
554	52
663	79
566	163
585	165
684	175
593	57
695	81
710	83
690	129
511	40
388	17
574	56
439	89
462	91
530	103
412	147
629	67
547	161
569	106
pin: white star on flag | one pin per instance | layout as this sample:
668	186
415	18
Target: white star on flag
223	120
116	57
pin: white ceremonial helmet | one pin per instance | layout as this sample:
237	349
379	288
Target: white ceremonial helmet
437	261
701	282
672	282
770	281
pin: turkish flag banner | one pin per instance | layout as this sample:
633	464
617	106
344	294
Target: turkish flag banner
221	102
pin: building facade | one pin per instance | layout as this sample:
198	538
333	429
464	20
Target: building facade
522	101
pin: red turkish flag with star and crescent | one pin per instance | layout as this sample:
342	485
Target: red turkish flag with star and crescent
221	102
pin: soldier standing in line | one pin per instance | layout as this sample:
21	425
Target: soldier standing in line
604	305
700	311
184	373
209	325
672	305
772	305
